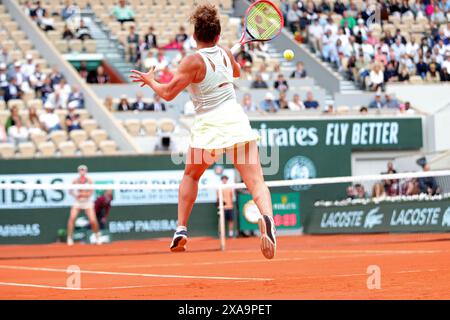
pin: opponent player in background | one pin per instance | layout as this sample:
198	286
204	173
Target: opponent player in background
82	202
220	124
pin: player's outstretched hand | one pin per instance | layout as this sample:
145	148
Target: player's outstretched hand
142	77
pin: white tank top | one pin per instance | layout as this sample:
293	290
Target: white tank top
217	86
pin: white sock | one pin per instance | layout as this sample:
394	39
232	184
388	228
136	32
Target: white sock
181	228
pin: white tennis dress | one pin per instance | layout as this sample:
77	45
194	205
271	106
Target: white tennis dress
220	121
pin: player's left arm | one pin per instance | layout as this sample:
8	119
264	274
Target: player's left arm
185	75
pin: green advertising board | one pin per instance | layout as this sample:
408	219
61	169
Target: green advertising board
321	148
286	211
406	216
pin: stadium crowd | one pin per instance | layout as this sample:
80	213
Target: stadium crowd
21	80
395	187
376	43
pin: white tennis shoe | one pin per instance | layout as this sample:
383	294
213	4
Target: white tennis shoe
179	241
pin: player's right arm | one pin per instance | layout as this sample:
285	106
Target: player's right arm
236	67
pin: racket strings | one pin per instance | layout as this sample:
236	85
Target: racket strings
263	22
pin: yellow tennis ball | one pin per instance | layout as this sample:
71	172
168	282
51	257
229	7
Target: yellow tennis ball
288	54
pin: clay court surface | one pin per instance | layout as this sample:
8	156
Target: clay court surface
306	267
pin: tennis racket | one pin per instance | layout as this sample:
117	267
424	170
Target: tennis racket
263	22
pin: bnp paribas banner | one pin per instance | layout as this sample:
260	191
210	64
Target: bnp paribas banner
408	216
44	198
286	211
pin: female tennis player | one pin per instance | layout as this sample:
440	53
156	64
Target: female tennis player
220	124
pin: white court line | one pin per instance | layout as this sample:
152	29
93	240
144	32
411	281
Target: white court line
129	274
372	254
14	284
352	251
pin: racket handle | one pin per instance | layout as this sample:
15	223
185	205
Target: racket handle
235	49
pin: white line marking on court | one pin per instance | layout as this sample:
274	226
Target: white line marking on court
251	261
14	284
352	251
150	275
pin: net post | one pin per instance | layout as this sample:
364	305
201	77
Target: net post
221	219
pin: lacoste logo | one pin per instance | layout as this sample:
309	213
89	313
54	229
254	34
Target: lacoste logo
373	218
446	218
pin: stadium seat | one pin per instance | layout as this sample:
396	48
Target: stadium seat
27	96
78	136
8	45
133	126
4	114
88	148
58	137
35	103
7	150
90	46
16	103
25	45
61	113
83	114
166	125
18	35
98	135
67	148
26	149
88	125
108	147
62	46
150	126
342	109
38	137
76	45
54	36
47	149
11	26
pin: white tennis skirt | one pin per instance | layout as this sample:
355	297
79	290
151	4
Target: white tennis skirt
83	204
222	127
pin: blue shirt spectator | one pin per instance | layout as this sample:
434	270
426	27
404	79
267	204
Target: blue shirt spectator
376	103
269	104
310	103
76	96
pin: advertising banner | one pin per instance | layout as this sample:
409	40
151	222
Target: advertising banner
375	133
42	198
286	211
408	216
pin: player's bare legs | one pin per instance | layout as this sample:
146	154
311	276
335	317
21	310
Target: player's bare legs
92	220
70	224
197	161
247	162
94	224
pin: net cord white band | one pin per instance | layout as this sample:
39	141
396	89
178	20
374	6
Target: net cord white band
276	183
